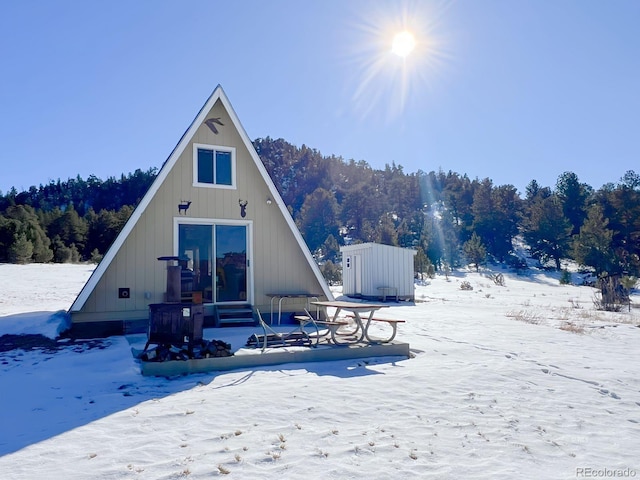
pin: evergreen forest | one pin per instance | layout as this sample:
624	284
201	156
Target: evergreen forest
450	219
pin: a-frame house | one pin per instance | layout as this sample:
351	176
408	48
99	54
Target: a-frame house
214	206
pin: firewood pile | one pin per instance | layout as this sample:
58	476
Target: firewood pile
198	350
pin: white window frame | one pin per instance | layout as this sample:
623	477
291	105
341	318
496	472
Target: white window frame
214	148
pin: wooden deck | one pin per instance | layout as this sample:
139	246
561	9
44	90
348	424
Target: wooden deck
250	358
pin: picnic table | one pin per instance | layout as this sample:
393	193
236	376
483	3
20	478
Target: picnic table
356	311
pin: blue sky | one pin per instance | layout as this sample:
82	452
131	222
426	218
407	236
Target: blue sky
512	90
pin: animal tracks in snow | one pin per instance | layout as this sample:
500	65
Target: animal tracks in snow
601	391
604	391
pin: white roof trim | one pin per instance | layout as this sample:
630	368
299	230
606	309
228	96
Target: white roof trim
218	94
371	245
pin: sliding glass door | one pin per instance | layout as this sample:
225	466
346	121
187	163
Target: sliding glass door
231	263
215	256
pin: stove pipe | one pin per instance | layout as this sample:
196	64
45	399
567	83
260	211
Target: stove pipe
174	292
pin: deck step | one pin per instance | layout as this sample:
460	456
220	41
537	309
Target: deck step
235	311
234	314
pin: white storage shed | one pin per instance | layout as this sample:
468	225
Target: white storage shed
376	271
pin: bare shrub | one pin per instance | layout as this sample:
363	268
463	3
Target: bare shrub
600	304
575	303
564	314
497	278
275	455
592	316
526	316
572	327
465	286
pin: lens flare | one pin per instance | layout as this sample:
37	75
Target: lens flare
396	55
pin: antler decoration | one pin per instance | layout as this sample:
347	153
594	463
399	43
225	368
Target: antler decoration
243	207
212	122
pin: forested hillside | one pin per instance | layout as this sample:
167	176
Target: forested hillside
449	218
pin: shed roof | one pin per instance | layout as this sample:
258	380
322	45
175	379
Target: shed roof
373	245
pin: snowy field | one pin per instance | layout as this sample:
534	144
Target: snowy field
524	380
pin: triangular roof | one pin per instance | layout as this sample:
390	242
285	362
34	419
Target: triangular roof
218	94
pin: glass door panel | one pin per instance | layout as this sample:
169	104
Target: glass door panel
231	263
195	248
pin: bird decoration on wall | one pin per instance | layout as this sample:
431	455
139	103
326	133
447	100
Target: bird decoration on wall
212	122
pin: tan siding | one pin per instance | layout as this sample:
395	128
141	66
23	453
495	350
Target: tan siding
90	305
139	274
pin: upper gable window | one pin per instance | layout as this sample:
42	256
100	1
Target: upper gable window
214	166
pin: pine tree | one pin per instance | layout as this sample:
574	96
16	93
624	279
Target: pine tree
331	272
547	231
592	246
622	207
440	237
95	257
21	250
422	264
29	224
386	233
8	229
61	253
318	217
475	251
573	196
331	248
70	227
496	212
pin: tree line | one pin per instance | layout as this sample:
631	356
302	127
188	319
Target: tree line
450	219
68	221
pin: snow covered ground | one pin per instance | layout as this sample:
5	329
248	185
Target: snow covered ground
525	380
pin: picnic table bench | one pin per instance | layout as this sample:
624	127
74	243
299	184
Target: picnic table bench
392	322
331	326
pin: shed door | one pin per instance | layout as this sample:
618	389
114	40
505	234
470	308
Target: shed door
357	274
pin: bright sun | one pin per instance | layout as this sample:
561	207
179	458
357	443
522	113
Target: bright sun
403	43
397	52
